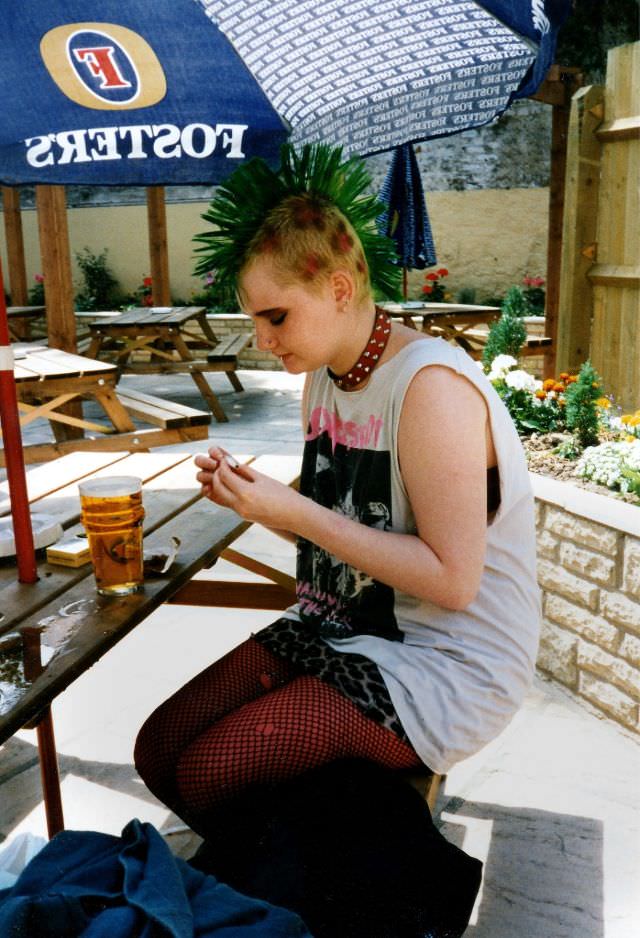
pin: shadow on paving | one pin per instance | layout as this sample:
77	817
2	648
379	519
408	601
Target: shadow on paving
18	757
543	871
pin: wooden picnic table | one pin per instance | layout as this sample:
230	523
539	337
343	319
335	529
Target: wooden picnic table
169	336
463	323
49	380
451	321
20	319
53	630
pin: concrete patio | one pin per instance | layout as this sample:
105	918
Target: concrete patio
552	807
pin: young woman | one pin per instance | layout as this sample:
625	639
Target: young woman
415	633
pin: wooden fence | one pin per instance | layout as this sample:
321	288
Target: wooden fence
600	273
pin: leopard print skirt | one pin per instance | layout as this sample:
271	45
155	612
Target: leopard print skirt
355	676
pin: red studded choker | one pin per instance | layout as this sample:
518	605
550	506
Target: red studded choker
370	357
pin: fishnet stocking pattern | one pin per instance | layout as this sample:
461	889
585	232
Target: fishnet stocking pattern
251	718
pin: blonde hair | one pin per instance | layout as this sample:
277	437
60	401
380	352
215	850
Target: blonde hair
307	238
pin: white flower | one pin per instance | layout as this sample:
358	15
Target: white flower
521	381
603	463
500	365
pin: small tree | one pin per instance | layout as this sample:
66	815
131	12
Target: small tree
581	409
508	334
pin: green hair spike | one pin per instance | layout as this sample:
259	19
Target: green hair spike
245	198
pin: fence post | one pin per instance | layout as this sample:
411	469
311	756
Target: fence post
615	341
579	229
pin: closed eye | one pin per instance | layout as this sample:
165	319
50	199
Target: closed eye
278	320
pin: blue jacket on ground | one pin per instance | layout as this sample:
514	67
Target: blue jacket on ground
100	886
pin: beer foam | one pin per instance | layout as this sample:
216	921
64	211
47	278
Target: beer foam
110	487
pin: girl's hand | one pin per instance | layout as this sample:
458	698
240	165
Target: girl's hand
250	494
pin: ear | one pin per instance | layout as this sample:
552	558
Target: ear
343	287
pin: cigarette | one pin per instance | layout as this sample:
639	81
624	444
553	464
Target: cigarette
237	467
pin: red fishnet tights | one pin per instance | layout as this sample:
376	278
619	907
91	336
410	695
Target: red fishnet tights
252	718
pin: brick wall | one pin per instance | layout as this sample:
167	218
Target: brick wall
589	573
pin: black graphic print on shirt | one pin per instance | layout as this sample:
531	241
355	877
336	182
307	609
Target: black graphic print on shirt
337	599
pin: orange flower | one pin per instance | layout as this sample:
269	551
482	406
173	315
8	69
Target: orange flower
549	384
564	375
572	379
559	387
541	394
603	402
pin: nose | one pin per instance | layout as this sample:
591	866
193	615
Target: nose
264	339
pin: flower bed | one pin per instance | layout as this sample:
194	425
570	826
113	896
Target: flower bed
584	459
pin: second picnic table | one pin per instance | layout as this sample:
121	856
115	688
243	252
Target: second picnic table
170	335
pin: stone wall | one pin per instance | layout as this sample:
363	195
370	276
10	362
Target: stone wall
589	573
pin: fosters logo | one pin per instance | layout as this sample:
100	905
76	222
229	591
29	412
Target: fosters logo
103	66
106	67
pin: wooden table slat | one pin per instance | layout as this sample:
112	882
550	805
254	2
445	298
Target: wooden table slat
48	478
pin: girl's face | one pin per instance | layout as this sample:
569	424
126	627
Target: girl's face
301	327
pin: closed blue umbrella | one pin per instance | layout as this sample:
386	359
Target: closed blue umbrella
406	219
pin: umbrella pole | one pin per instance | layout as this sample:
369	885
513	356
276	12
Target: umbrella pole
14	456
404	282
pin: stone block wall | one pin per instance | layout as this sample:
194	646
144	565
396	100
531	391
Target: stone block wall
589	574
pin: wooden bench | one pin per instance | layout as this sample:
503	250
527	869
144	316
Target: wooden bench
533	345
228	348
161	412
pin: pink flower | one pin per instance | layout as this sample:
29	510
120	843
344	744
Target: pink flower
146	282
39	278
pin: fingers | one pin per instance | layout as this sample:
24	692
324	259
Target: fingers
216	458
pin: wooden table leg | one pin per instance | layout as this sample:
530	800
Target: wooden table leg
117	413
235	380
50	774
209	396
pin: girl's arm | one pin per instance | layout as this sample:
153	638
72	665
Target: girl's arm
443	459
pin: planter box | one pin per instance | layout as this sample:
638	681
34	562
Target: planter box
589	574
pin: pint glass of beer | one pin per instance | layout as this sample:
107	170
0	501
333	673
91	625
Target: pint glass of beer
112	514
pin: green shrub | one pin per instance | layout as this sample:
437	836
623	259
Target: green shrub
99	289
508	334
581	409
467	295
215	296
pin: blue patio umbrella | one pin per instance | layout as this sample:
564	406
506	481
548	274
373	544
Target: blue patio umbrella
406	219
119	92
134	92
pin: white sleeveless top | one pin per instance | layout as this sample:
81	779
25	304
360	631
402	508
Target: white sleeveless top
455	677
